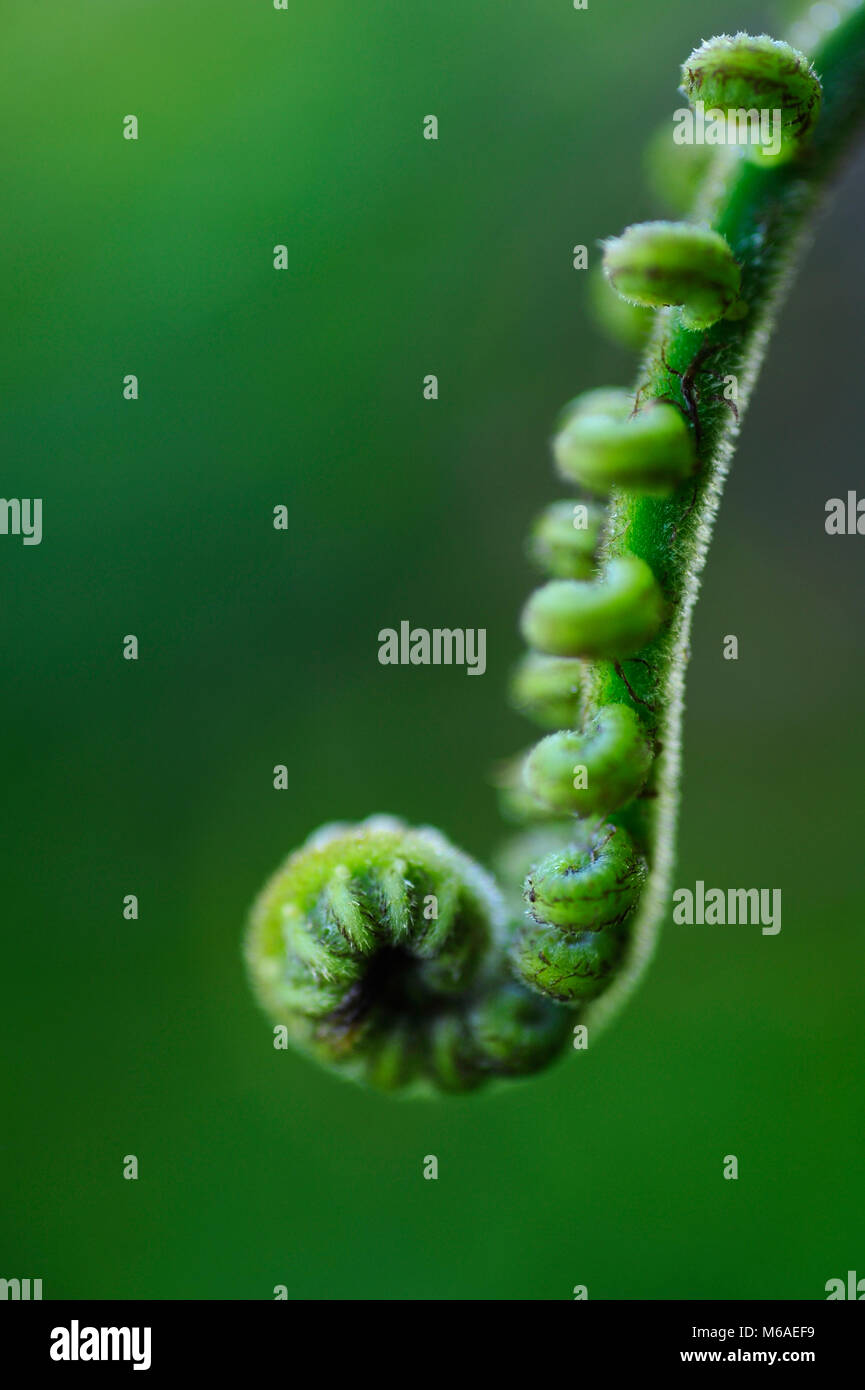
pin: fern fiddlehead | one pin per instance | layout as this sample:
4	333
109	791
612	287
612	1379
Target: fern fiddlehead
382	950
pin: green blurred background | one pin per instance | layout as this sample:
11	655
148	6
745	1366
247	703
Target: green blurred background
259	647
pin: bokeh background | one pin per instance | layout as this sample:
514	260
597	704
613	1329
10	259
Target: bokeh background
259	647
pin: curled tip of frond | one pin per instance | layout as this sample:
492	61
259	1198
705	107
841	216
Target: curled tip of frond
745	72
675	263
379	948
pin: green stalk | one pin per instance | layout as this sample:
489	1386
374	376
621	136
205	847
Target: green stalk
765	214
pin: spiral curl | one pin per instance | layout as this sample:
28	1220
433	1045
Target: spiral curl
578	902
612	751
385	952
381	950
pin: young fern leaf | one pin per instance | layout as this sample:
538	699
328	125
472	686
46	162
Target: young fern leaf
656	264
741	72
380	949
385	952
605	443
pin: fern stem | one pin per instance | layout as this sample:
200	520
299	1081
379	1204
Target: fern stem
765	214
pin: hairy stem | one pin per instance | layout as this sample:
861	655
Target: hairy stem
764	213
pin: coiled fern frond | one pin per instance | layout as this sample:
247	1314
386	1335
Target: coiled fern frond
388	954
381	949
